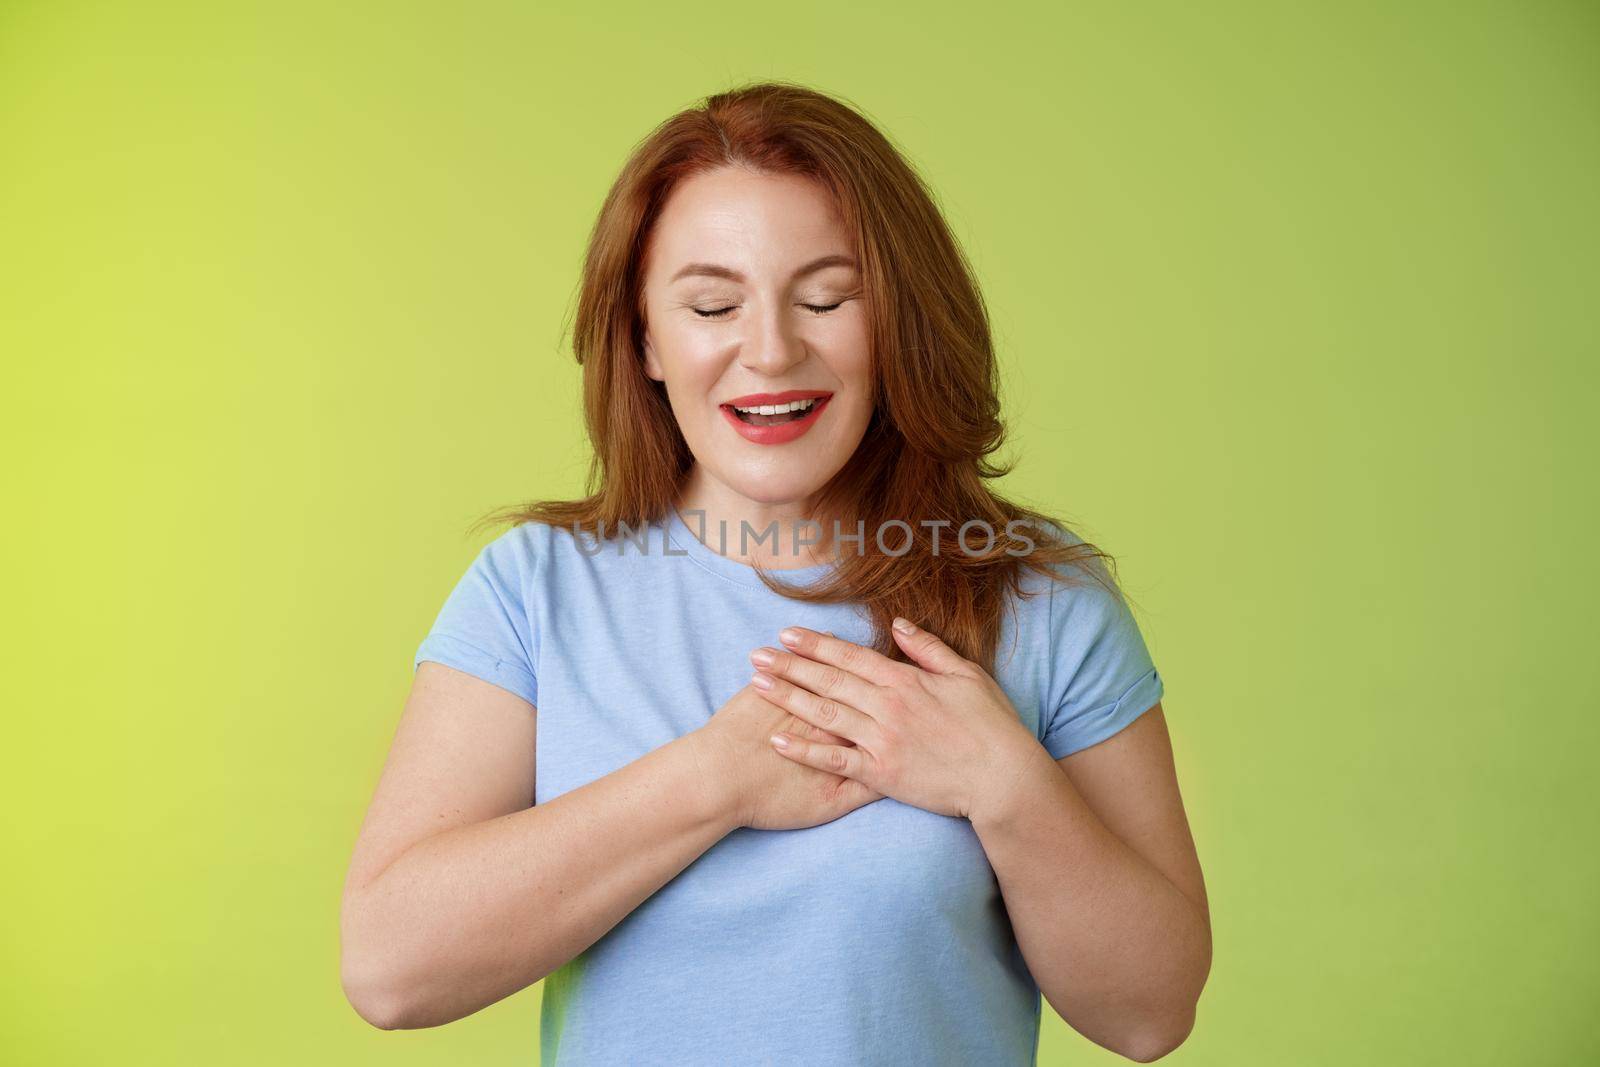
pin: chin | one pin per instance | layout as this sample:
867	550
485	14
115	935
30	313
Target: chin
772	491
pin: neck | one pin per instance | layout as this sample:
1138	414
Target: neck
708	508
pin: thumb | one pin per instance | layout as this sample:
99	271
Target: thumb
925	649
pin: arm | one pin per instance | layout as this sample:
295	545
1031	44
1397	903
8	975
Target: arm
461	891
1095	860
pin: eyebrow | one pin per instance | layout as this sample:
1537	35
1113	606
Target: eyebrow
714	270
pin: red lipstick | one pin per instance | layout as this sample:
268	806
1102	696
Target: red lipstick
775	433
751	400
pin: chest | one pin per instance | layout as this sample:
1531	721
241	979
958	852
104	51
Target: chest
629	659
630	662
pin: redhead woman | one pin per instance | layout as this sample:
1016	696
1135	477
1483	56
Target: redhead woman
792	742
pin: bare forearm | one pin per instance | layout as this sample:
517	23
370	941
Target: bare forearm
1116	948
474	914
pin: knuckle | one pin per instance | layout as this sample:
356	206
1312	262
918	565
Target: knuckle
828	711
830	677
840	792
836	759
902	672
888	737
892	702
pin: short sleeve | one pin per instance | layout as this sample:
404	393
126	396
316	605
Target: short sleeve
484	627
1101	673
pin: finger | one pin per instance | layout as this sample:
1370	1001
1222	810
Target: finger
926	650
825	713
835	759
857	793
806	730
859	660
823	679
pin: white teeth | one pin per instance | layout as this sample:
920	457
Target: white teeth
779	409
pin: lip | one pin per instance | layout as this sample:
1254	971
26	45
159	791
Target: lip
783	432
750	400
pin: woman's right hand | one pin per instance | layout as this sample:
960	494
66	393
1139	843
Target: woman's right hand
768	791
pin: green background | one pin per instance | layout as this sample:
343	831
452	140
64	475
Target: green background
1296	304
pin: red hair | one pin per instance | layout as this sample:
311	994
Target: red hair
936	421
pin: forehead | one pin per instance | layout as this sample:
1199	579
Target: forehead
745	220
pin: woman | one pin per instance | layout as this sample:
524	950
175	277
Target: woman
761	824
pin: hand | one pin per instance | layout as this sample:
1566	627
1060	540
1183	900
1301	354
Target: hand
938	733
767	791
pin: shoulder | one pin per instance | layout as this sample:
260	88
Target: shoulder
519	555
530	544
548	552
1098	673
1085	576
520	546
1073	610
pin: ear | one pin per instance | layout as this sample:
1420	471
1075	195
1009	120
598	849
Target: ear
652	366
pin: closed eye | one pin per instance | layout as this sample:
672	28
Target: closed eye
717	313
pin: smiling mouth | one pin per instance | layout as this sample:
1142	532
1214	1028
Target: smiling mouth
774	414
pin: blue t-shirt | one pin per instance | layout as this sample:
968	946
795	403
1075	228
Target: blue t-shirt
879	937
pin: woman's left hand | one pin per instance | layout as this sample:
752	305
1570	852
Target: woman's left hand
937	733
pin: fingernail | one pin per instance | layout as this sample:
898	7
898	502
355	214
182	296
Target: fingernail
904	625
789	636
780	741
763	657
761	681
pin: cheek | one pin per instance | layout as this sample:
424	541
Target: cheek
845	345
856	374
690	366
853	344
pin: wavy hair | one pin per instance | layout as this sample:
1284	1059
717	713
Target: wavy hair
926	454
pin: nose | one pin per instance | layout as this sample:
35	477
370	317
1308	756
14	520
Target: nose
773	345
